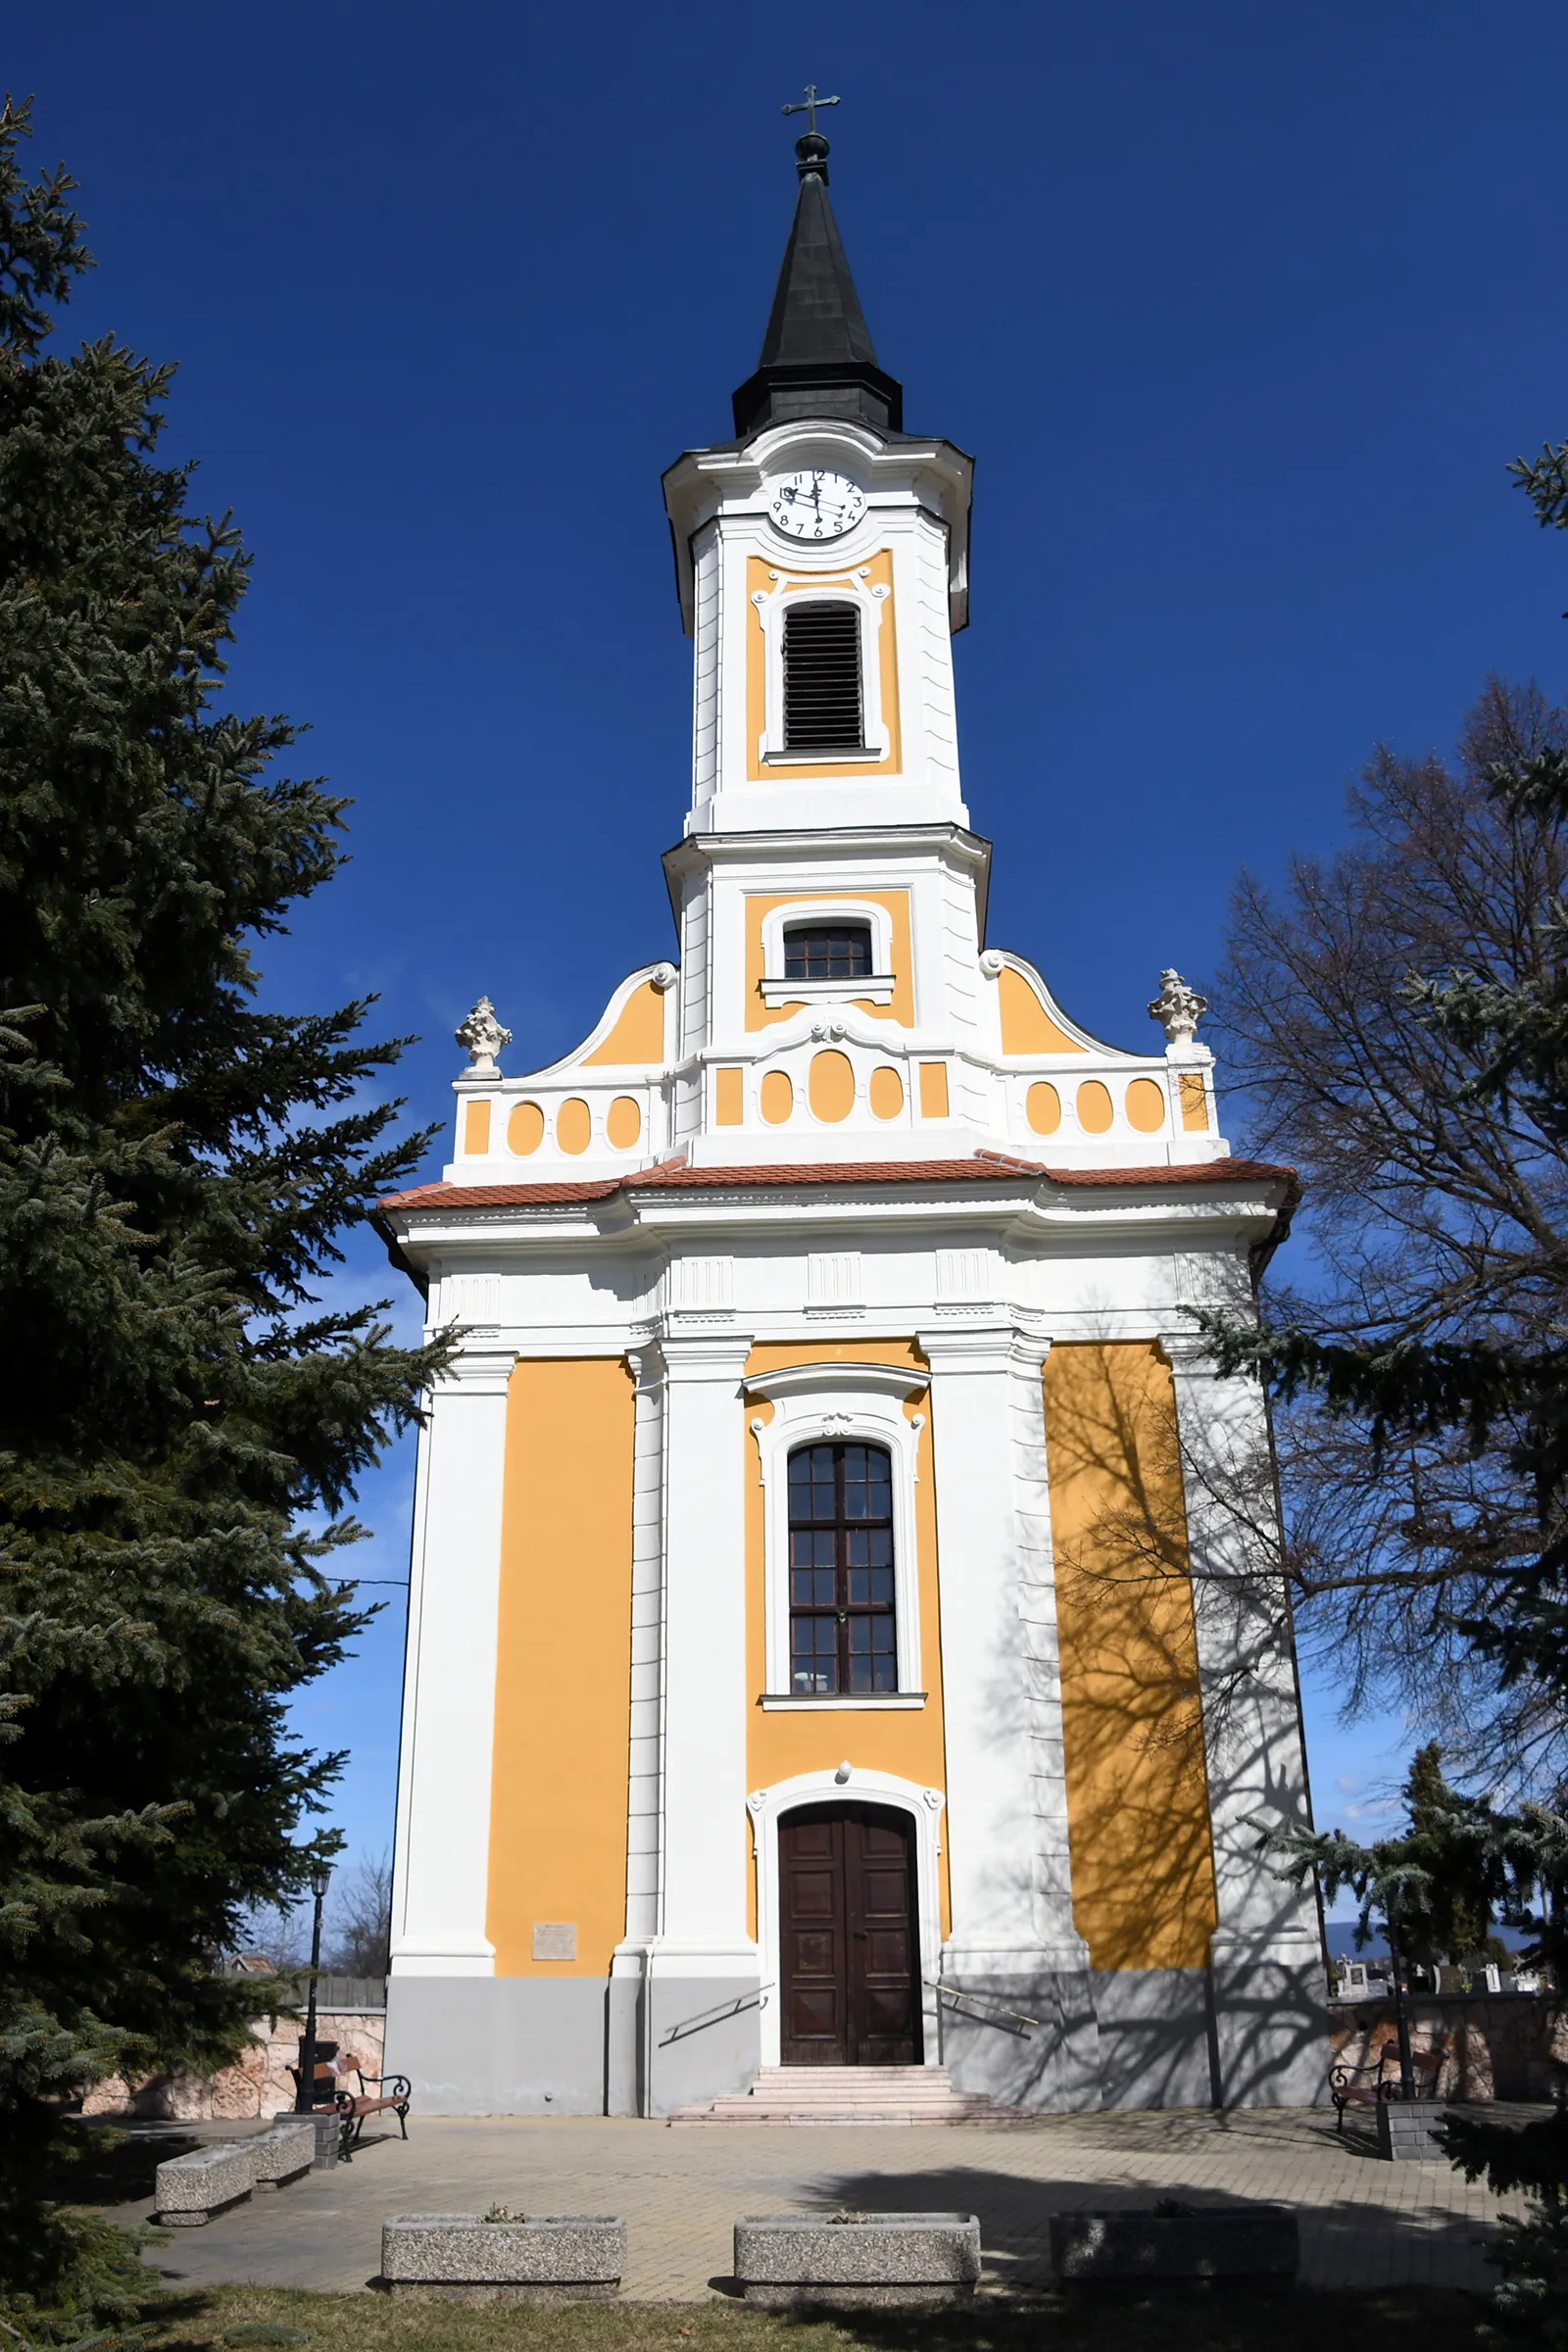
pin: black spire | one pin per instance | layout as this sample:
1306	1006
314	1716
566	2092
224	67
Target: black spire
817	357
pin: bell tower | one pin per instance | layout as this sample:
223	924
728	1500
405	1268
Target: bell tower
823	563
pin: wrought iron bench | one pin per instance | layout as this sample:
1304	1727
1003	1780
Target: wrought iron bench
392	2094
1365	2086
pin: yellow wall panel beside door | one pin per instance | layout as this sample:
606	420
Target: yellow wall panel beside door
558	1802
1142	1878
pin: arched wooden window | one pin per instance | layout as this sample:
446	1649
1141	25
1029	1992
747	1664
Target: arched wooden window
843	1635
822	678
828	951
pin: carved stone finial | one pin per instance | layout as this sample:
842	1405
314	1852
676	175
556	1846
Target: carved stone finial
483	1036
1178	1008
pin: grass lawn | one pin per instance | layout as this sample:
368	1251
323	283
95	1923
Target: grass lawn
1233	2319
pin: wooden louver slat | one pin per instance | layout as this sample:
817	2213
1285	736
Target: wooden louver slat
822	678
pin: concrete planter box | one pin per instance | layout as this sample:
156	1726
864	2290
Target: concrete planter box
1221	2242
191	2189
784	2260
282	2154
545	2258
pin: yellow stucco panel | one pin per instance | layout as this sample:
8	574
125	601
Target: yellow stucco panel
765	579
906	1742
637	1034
1027	1026
1143	1879
558	1806
895	903
476	1129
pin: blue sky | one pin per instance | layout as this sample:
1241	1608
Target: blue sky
1243	311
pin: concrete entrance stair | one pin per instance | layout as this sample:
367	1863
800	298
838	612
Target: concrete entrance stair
847	2094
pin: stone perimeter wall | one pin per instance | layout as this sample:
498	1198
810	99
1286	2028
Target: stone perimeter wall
258	2084
1497	2046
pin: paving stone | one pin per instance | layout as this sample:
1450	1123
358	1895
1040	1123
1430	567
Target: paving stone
1363	2222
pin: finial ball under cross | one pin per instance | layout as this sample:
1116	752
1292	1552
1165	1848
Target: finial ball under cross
808	106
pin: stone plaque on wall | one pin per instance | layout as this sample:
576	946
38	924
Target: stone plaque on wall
554	1940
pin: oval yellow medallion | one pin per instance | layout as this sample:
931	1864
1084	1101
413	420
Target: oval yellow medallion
777	1096
887	1093
573	1126
830	1088
1093	1106
1146	1106
625	1122
1043	1107
525	1129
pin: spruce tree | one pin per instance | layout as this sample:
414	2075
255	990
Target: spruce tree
182	1420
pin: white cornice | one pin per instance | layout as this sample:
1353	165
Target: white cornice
850	1379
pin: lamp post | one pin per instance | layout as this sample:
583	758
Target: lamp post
1401	2022
305	2101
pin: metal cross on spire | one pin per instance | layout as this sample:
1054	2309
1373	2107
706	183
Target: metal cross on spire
808	106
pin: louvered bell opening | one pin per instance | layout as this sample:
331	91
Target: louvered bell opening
822	678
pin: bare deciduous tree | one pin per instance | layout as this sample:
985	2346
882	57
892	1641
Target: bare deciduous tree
1437	1209
362	1918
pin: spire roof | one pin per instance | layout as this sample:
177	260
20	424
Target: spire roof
817	357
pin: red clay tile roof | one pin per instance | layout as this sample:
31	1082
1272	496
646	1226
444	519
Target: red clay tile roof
984	1167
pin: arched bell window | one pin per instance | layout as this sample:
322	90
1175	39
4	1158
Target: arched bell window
822	678
843	1627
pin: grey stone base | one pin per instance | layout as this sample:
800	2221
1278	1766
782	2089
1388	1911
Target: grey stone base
571	2046
328	2131
1030	2041
1242	2035
846	2298
1156	2038
1271	2034
585	2291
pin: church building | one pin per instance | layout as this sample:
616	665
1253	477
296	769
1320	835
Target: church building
847	1662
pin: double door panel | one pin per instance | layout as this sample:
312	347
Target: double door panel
848	1954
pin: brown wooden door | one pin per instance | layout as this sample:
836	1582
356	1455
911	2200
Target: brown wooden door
848	1950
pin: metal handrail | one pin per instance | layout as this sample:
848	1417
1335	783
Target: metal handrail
716	2015
955	1997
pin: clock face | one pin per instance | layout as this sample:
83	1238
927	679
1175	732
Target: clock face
816	504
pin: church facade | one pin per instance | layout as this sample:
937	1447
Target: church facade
844	1629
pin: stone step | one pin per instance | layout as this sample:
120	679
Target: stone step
843	2096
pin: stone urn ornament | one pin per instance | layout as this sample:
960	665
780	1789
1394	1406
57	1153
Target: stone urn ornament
483	1037
1178	1008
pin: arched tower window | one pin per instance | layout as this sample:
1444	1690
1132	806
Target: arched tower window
843	1634
822	678
828	951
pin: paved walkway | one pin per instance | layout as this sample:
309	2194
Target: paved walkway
1364	2224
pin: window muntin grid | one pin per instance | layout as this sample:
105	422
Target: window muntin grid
843	1622
828	951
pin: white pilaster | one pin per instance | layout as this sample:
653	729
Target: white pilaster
702	1910
1006	1809
449	1703
1266	1951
